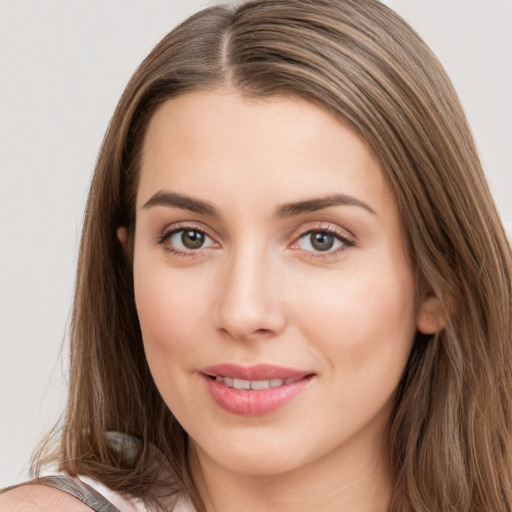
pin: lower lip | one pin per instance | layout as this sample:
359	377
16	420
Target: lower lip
253	402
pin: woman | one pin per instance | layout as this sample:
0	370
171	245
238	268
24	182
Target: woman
294	289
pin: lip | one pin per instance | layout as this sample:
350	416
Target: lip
255	372
254	402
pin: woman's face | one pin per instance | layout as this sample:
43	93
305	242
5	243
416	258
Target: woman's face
269	255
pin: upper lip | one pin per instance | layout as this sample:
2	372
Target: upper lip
254	372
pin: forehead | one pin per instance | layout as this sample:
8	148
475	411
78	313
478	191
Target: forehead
258	149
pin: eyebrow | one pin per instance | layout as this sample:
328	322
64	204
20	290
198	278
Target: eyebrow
164	198
173	199
320	203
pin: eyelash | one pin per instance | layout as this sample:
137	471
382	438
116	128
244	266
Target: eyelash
343	239
167	235
337	234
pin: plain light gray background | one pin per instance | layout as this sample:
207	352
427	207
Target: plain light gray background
63	66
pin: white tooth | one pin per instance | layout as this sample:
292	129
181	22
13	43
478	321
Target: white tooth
291	381
228	381
219	378
274	383
260	384
241	384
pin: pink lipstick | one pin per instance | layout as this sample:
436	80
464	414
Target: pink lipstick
253	390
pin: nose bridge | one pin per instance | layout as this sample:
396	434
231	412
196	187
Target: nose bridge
249	300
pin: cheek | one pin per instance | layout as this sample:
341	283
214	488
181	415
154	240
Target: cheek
171	315
364	320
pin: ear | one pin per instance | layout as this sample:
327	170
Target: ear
431	315
122	236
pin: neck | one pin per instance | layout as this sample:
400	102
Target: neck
354	478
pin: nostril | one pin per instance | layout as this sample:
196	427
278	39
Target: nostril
262	331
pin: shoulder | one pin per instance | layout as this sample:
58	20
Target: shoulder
39	498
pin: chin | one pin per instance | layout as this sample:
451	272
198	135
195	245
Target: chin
257	460
263	465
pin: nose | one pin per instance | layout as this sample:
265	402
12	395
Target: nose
250	301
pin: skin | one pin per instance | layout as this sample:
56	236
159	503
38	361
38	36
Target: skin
259	291
39	498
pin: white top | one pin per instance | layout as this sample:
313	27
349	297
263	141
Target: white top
127	444
131	504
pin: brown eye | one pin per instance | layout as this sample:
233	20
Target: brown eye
322	241
183	240
192	239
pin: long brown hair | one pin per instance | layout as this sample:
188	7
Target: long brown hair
451	431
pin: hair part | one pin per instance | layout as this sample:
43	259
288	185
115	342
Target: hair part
450	440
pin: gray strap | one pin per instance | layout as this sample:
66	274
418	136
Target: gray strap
80	490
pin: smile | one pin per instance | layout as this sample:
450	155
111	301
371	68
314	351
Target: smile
254	390
254	385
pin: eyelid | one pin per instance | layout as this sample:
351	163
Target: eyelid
343	235
165	234
347	238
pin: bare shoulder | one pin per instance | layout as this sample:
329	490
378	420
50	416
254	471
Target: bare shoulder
39	498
